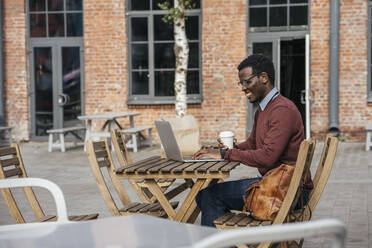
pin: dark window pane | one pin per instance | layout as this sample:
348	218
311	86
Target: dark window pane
56	25
37	5
74	24
37	25
55	5
192	27
164	83
257	2
193	55
162	30
156	2
139	29
71	83
74	4
257	17
278	1
278	16
298	1
140	5
192	82
164	56
263	48
298	15
197	4
140	58
43	89
140	83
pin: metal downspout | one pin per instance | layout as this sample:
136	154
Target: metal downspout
2	112
334	67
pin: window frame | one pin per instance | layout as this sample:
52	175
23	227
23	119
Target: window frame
46	12
150	98
271	29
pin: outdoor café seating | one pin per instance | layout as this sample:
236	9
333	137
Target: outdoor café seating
122	155
323	171
100	157
238	220
11	165
144	231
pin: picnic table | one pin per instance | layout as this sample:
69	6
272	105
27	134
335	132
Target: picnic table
199	174
110	123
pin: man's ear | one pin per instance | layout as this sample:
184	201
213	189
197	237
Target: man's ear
264	78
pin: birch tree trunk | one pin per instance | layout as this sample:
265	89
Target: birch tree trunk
181	51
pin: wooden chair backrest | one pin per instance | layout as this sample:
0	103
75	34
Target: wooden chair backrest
121	151
323	170
11	165
99	157
303	162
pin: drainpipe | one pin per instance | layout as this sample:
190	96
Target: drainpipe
333	67
2	112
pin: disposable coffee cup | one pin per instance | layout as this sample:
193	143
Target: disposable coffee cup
227	138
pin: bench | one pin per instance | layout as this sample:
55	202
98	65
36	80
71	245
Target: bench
61	133
368	137
135	141
6	136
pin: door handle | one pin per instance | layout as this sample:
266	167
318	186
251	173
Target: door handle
303	96
63	99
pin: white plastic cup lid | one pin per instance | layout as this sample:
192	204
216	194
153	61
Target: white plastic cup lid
226	134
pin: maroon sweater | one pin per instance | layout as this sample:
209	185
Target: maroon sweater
275	138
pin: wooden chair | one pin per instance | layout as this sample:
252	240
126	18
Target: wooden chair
121	151
11	165
320	180
238	220
99	158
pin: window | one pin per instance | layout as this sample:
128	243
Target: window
151	56
277	15
55	18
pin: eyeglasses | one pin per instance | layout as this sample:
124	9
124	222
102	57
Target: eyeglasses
248	81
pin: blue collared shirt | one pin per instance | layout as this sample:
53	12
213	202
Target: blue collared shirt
270	96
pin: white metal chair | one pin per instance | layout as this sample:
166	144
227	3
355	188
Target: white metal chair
276	233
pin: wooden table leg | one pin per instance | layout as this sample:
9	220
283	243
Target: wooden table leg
193	210
159	194
87	134
190	198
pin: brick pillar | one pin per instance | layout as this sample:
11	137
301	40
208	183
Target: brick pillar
15	68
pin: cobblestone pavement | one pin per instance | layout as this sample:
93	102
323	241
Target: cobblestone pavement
347	196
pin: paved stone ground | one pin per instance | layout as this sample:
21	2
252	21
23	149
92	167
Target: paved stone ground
347	196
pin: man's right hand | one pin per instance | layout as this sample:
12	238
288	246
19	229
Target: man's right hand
207	153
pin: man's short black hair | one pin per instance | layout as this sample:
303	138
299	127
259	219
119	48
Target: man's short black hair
259	64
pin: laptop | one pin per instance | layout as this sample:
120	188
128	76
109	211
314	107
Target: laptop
171	148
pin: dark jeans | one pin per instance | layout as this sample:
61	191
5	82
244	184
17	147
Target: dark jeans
216	200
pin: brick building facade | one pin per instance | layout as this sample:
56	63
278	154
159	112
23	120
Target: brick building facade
225	40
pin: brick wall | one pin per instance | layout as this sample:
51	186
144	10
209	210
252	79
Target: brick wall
15	68
354	112
223	47
105	56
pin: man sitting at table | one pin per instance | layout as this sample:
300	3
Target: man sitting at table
275	139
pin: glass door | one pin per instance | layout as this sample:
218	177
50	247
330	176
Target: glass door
57	86
289	57
69	95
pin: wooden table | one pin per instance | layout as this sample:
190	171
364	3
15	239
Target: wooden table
201	174
110	123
